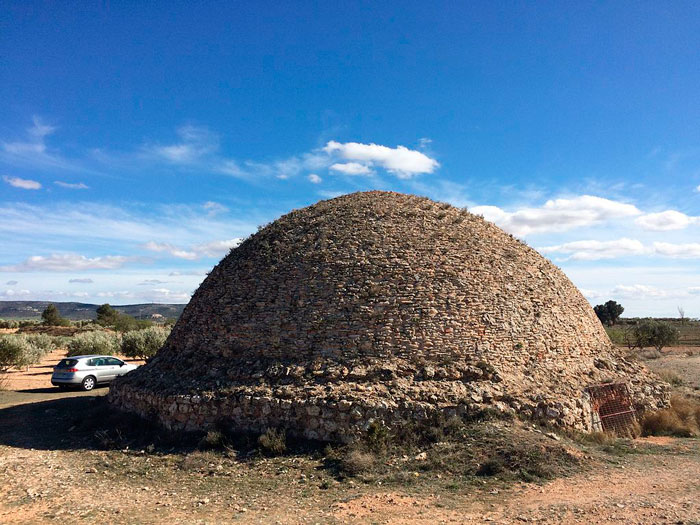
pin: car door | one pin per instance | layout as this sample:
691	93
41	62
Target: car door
105	370
120	368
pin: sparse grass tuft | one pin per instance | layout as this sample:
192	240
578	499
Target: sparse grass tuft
670	377
273	442
358	462
213	440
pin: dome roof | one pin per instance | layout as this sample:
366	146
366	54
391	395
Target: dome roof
385	298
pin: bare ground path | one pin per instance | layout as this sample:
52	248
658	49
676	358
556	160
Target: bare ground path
53	471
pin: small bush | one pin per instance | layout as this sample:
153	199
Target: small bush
273	442
93	343
681	419
144	343
9	323
15	352
358	462
214	439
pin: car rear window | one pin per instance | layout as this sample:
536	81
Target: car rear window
67	363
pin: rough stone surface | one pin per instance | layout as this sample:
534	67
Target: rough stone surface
379	307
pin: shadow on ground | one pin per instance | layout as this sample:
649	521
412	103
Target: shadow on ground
56	424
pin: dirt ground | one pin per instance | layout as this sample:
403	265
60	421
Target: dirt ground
52	470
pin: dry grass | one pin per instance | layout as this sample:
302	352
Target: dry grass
681	419
670	377
273	442
358	462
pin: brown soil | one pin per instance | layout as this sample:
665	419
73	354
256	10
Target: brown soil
52	471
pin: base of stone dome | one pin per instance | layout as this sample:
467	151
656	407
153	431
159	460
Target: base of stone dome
326	417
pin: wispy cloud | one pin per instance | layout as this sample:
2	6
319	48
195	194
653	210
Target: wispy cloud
71	185
195	143
214	208
14	294
25	184
638	291
97	224
67	262
161	247
197	251
314	179
33	151
151	282
85	280
558	215
592	250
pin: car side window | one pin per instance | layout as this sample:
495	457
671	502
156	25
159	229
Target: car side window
92	362
113	361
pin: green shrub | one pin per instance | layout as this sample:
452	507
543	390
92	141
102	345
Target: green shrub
144	343
658	334
95	342
15	352
9	323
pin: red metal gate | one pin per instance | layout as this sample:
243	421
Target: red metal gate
612	408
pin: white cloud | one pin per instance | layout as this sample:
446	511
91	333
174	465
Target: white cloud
25	184
678	251
164	294
13	294
210	249
169	248
352	168
698	188
592	250
557	215
81	281
187	272
401	161
694	290
638	291
665	221
71	185
216	248
314	179
67	262
11	283
591	294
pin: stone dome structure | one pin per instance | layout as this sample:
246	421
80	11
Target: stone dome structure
379	306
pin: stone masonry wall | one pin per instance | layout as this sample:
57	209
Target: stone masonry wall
393	303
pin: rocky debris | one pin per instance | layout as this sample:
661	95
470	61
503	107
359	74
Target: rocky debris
380	307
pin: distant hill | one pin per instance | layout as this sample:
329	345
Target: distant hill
79	311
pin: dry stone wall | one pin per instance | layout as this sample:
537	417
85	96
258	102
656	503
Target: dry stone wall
390	307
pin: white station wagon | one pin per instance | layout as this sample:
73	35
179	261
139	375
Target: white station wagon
87	371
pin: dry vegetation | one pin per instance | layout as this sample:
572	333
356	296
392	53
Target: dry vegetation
60	453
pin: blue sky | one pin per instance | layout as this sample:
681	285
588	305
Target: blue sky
138	143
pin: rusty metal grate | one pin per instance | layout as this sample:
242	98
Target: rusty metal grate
612	408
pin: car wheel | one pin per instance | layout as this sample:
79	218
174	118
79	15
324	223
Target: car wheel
89	383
